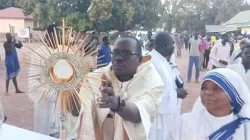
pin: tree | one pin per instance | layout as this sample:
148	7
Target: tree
79	21
100	10
43	11
8	3
224	13
147	13
102	13
193	15
123	14
75	12
46	12
171	10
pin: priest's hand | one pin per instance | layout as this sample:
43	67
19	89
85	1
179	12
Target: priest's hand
129	111
181	93
108	99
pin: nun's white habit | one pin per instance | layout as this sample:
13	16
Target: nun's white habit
200	124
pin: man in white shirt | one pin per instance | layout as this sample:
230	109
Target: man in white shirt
220	54
169	105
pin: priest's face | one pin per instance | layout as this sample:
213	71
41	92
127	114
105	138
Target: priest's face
125	58
215	99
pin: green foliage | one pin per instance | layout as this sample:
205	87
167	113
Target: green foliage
195	14
124	14
8	3
46	12
100	15
100	10
78	21
121	15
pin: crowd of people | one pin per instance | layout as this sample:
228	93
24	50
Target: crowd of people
214	114
142	98
220	51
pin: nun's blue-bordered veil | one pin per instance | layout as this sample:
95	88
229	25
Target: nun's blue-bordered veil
239	95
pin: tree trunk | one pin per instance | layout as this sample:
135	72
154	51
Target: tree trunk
170	23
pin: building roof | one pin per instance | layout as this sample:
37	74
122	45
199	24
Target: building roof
219	28
14	13
241	18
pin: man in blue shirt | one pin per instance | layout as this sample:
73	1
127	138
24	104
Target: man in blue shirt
104	52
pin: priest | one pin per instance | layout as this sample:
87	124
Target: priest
121	104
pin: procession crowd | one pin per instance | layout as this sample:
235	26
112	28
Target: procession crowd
143	96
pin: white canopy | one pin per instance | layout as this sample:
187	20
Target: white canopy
219	28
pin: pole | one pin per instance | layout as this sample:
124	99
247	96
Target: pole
63	34
63	135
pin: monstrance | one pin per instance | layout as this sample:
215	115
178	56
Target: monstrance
64	64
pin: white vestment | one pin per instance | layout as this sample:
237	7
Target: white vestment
172	59
234	55
175	74
200	124
46	115
168	107
144	90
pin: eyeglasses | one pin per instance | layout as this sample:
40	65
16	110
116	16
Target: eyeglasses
124	54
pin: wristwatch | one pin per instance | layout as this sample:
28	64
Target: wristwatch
121	104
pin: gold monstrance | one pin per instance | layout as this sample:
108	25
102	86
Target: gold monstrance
64	64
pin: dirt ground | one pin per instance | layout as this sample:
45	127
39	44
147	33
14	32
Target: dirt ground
19	108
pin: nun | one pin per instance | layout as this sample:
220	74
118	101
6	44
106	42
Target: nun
225	111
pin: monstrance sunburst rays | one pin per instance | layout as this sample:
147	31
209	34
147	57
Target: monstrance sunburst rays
58	68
